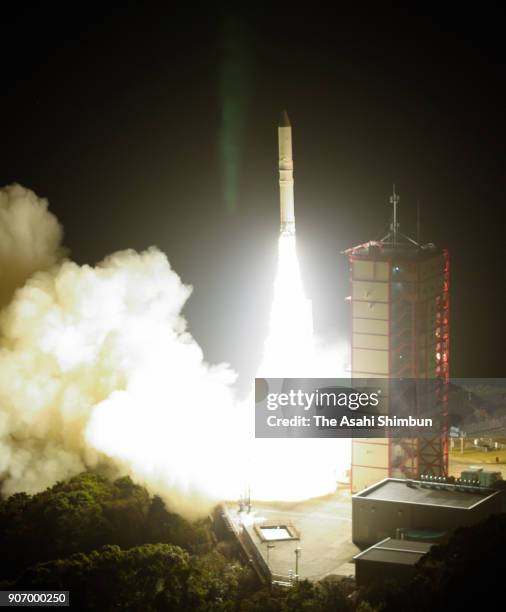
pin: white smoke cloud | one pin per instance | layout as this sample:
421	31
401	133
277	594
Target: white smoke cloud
96	364
30	238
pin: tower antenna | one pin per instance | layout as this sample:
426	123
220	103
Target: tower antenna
394	200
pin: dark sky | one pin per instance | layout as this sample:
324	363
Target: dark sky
146	126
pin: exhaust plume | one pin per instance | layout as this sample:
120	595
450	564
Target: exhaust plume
305	467
97	367
30	238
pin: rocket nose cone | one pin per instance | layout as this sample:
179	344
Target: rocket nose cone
283	120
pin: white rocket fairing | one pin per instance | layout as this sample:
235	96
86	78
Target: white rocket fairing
286	204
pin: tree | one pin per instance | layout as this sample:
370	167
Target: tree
141	578
84	514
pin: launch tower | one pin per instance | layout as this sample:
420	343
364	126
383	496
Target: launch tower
400	329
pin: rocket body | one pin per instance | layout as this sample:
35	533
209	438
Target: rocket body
286	202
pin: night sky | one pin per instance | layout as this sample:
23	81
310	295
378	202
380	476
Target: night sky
151	127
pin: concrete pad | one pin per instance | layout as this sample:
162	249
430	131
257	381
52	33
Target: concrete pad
324	529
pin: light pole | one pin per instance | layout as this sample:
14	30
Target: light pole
269	546
298	550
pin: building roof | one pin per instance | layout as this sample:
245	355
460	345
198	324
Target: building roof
379	250
411	492
389	550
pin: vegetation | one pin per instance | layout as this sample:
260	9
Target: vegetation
84	514
325	596
114	547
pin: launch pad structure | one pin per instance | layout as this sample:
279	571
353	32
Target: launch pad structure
400	320
319	543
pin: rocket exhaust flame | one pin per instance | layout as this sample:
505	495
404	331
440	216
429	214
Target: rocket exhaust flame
289	346
293	469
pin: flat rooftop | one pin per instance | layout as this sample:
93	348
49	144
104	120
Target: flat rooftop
384	250
401	552
394	490
276	533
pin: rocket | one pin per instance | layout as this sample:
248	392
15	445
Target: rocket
286	206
